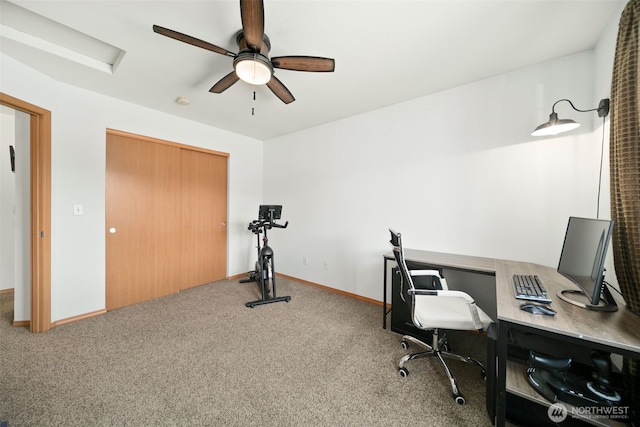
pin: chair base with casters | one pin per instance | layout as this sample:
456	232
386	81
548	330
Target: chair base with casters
440	349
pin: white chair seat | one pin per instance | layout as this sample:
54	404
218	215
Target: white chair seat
445	312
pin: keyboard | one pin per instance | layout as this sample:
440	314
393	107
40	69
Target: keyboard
529	288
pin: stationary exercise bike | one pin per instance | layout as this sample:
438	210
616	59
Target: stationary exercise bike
264	273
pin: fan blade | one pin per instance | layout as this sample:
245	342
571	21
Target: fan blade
280	90
225	83
304	63
192	41
252	13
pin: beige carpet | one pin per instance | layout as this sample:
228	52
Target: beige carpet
201	358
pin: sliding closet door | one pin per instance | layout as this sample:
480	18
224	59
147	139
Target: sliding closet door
143	212
204	213
166	214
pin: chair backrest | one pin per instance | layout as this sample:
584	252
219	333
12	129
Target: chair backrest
398	253
407	281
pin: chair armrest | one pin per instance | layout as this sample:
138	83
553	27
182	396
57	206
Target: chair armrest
442	293
473	310
431	292
457	294
425	273
435	273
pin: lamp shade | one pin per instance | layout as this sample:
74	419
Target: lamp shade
555	126
253	68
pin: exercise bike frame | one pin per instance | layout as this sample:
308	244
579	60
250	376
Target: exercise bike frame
264	273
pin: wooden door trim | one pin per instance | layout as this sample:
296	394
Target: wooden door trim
165	142
40	196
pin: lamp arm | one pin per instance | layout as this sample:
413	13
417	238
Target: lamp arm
603	107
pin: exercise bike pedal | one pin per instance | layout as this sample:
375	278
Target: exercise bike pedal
249	279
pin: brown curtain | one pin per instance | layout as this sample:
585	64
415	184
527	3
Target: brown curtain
625	174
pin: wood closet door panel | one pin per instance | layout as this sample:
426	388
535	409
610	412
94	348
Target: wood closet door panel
143	256
204	213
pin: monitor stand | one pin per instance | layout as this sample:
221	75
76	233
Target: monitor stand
606	303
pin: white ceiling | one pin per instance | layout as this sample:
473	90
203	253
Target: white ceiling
385	51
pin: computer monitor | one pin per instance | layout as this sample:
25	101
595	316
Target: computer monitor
270	212
582	260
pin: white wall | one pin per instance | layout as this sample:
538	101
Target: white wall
22	241
14	209
7	200
79	122
456	171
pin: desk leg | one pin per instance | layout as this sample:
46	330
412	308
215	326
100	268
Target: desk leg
501	380
384	297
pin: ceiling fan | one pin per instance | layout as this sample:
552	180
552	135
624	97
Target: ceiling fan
252	63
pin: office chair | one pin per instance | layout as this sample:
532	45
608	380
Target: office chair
434	307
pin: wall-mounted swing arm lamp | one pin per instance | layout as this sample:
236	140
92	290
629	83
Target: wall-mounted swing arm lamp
555	125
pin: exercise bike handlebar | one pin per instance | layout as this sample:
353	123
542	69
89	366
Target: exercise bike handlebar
257	225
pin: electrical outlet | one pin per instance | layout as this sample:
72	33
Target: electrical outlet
305	260
77	209
325	265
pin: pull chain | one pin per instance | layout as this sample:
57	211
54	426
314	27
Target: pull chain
254	98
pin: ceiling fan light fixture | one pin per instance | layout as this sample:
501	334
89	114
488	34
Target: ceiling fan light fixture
252	63
253	68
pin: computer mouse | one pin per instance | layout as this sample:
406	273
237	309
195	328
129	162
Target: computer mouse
537	309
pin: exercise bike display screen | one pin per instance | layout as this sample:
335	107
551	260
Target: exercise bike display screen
270	212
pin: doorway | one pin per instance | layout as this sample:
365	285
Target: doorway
40	211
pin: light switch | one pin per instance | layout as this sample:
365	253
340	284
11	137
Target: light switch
77	209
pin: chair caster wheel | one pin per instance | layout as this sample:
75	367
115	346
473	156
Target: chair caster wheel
483	374
404	373
404	344
459	399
